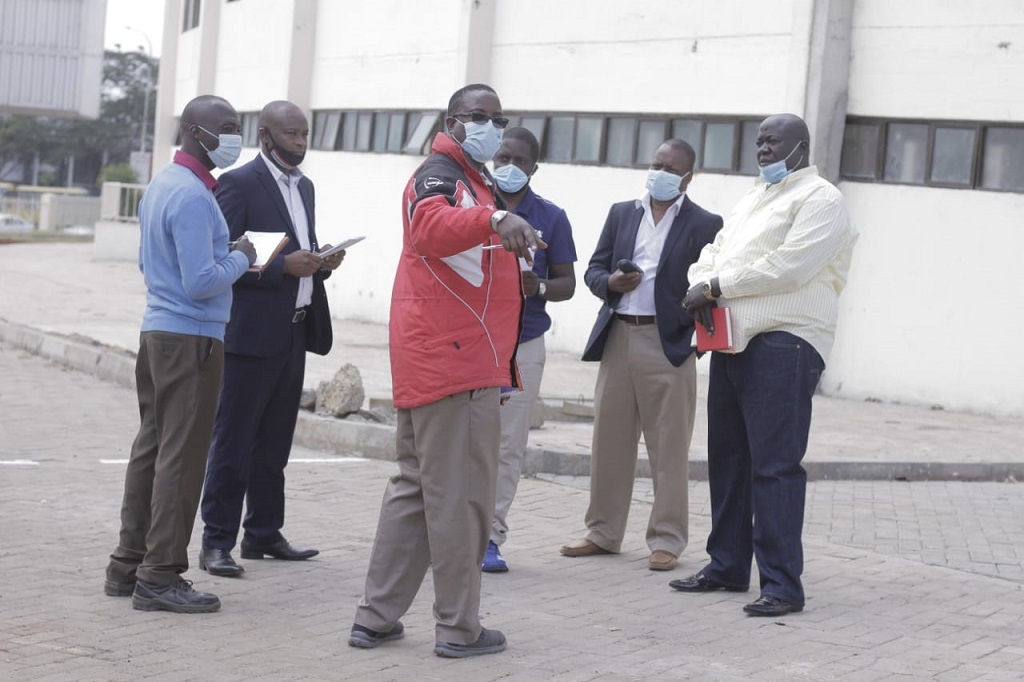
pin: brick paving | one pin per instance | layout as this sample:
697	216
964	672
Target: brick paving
900	577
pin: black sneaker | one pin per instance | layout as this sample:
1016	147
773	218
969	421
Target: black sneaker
489	642
364	638
179	598
112	588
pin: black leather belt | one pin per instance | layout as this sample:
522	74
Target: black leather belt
300	314
635	320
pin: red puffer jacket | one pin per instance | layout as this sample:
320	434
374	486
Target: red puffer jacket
456	308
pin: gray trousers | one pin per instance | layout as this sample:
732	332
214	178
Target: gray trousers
436	513
178	382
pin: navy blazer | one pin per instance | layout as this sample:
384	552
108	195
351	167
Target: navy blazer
264	303
692	229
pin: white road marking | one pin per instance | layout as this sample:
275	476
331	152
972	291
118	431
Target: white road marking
19	462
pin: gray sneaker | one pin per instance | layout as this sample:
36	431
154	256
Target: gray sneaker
179	598
363	637
489	642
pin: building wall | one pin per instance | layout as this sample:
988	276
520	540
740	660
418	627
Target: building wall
933	269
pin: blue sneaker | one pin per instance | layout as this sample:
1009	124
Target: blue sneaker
493	561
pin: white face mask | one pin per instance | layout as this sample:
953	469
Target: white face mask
482	141
229	148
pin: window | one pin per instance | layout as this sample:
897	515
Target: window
589	134
380	131
860	151
422	134
906	149
250	129
350	122
190	17
690	131
719	144
952	156
536	125
558	146
364	129
962	155
649	136
325	129
621	134
748	148
1001	159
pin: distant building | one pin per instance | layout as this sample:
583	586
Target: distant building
916	110
51	57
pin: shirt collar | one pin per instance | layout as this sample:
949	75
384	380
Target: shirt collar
644	202
278	173
183	158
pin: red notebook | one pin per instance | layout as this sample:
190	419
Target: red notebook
722	340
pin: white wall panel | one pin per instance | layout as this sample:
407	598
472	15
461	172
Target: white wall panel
938	59
253	52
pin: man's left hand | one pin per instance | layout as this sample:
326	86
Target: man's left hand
331	262
531	283
695	299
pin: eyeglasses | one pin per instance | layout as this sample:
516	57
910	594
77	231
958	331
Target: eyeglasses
481	118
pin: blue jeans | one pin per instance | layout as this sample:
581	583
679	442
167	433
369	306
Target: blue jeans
759	416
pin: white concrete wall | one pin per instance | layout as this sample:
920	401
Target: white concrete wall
944	59
931	314
254	47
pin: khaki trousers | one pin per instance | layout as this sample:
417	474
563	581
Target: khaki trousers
515	433
638	390
178	383
436	513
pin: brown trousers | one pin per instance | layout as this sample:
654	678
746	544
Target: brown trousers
178	382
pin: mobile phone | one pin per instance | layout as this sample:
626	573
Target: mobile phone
628	266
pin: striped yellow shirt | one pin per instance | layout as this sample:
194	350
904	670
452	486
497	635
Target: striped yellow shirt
781	260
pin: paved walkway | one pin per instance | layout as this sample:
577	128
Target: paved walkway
896	577
905	580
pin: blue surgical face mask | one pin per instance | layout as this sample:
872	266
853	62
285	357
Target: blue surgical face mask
510	178
777	171
482	141
229	148
664	186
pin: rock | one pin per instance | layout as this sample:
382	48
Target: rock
308	400
342	395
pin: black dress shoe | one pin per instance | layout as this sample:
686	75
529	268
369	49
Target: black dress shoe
179	598
698	582
768	605
219	562
278	550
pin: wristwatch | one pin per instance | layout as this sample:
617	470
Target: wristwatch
542	289
496	218
708	294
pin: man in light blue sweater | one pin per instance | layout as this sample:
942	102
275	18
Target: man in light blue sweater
189	269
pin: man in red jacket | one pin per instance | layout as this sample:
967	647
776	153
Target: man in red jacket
455	314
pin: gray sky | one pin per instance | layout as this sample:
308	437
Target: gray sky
146	16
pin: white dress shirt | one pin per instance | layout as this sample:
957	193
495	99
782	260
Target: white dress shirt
288	183
781	259
650	242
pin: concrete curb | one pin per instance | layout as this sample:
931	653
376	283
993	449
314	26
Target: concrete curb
377	441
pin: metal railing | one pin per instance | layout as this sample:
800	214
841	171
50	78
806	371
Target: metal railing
120	201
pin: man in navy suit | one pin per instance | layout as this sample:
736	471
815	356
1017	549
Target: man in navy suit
647	380
277	315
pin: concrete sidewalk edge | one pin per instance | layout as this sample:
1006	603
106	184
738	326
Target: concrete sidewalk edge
377	441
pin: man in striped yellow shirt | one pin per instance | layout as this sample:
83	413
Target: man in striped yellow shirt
779	265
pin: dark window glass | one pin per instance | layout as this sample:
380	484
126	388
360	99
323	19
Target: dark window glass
952	155
560	139
748	148
1002	167
619	150
588	139
422	133
380	131
364	129
190	16
690	131
349	129
719	140
860	151
906	148
649	136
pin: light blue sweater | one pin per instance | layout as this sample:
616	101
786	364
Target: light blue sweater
184	257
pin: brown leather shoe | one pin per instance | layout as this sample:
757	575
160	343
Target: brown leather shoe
662	561
583	548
